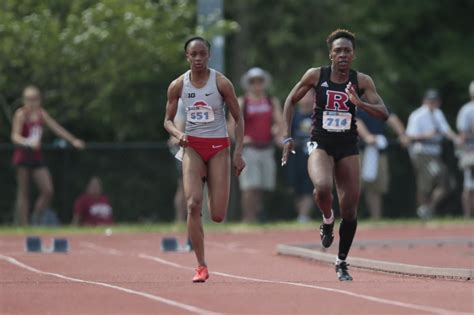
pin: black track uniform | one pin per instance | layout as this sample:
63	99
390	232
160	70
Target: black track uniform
334	117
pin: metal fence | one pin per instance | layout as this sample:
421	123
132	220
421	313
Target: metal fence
140	180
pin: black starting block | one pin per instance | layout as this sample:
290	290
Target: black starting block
33	244
60	245
170	244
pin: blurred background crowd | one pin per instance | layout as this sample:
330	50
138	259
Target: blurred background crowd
103	67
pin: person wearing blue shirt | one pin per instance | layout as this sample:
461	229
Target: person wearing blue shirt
297	172
375	169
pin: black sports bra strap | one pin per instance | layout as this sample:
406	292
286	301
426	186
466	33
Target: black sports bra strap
323	75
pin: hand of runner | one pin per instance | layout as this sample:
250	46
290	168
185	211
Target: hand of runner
183	141
35	145
172	142
239	163
287	148
353	97
78	144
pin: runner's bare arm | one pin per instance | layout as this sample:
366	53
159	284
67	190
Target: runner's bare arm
231	122
16	137
174	93
309	79
277	128
61	132
374	105
228	93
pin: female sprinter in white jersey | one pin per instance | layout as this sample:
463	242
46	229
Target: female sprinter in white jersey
206	158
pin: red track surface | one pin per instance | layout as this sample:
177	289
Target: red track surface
252	279
433	255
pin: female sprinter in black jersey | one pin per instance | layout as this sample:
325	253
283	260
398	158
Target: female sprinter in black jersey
334	156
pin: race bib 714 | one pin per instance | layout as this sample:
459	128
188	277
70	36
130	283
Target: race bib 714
336	121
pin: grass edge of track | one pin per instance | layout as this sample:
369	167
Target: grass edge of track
225	227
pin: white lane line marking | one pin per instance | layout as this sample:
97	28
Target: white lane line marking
164	262
187	307
234	247
100	249
417	307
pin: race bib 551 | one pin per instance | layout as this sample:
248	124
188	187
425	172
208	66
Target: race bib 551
200	114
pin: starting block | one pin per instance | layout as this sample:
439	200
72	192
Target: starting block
170	244
33	244
60	245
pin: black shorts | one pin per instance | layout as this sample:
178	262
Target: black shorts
338	149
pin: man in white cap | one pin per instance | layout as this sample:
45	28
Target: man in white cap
465	125
263	122
427	126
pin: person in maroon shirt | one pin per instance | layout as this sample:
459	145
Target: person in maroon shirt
27	130
93	206
263	128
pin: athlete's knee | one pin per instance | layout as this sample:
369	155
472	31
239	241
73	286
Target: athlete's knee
322	190
194	206
218	217
349	214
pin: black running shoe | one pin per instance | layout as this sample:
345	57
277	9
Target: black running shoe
342	273
327	236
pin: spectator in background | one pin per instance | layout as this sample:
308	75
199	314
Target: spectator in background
427	126
465	125
173	144
26	135
375	168
297	164
93	206
263	121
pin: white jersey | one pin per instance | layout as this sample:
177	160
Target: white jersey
205	115
465	124
424	121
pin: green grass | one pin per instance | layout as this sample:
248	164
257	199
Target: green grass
226	227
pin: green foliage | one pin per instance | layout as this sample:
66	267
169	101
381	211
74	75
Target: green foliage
406	46
104	66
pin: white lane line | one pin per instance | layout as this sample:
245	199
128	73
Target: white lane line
234	247
100	249
187	307
416	307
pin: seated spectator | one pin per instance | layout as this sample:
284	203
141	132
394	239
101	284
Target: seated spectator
93	207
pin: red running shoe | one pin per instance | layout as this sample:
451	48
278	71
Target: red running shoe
201	274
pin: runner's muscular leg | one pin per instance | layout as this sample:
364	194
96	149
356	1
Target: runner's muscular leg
348	186
194	170
22	195
44	182
218	184
321	170
348	191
